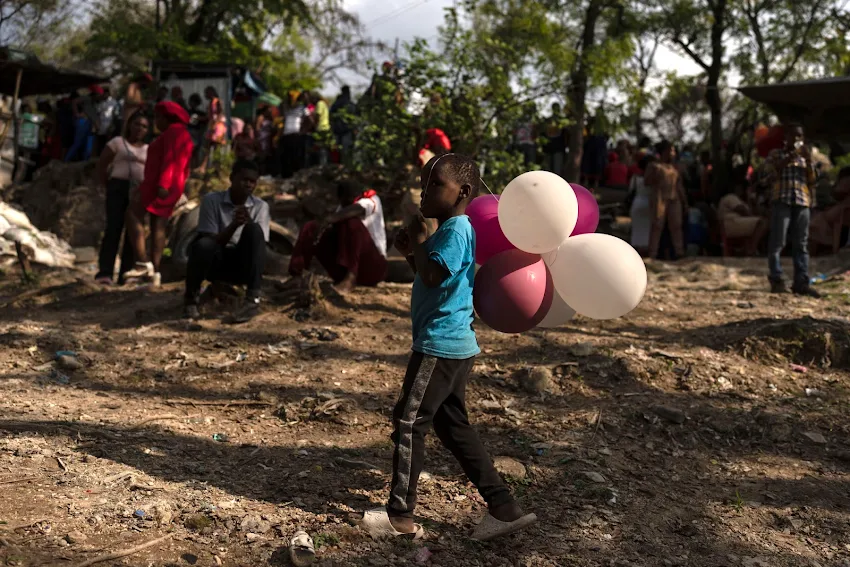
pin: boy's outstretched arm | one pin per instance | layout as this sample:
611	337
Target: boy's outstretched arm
430	271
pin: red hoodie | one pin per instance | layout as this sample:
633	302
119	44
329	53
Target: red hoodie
616	173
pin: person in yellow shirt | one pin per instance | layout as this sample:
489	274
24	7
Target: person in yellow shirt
322	135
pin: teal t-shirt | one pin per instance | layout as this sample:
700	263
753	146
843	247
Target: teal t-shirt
442	315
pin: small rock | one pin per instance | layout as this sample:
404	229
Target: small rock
252	537
76	537
489	405
197	522
253	523
536	380
539	381
68	362
672	415
592	476
425	477
755	562
815	437
510	467
582	349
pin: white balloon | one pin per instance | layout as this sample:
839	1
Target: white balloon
558	314
598	275
537	211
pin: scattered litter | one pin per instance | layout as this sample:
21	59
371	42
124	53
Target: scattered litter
57	376
815	393
241	356
140	514
301	549
799	368
220	437
815	437
324	335
422	555
282	347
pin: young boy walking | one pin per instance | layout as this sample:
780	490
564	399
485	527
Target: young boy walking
444	348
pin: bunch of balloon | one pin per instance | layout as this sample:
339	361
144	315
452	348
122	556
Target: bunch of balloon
541	260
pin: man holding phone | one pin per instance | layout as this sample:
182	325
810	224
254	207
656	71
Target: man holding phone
233	229
790	174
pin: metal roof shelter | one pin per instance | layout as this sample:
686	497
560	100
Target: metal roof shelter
32	77
822	106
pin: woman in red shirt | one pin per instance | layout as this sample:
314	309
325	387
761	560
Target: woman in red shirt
616	172
166	172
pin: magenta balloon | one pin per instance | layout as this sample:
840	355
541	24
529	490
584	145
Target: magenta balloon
588	211
513	291
483	213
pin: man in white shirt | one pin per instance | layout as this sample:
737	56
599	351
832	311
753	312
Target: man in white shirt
107	112
351	244
233	229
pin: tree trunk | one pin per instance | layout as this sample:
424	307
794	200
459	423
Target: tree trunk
713	99
578	92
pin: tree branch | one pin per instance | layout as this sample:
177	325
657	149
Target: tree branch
691	53
803	43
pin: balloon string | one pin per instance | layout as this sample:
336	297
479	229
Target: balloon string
488	189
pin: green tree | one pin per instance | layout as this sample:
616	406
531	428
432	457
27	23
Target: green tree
34	24
604	44
781	39
701	29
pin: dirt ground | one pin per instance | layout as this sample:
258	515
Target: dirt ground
708	428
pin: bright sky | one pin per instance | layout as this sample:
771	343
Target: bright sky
405	19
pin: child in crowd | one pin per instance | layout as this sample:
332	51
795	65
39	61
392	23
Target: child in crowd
444	348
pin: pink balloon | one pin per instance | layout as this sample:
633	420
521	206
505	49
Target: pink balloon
483	213
588	211
513	291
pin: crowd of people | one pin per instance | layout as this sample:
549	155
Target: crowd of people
791	196
151	140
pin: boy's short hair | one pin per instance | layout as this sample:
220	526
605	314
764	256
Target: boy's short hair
244	164
462	169
348	189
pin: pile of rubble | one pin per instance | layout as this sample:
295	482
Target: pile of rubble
64	199
41	247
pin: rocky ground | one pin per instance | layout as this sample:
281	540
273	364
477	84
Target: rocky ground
708	428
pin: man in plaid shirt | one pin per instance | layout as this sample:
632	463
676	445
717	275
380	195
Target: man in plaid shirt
790	175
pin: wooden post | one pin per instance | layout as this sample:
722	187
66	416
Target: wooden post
23	261
16	127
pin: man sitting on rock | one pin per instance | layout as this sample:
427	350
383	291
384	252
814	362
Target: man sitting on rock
351	244
233	229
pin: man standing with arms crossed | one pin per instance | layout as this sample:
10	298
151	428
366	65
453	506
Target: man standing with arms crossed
790	175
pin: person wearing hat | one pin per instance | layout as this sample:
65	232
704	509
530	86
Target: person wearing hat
166	171
87	122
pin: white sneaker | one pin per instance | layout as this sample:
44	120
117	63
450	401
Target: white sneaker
156	281
141	270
